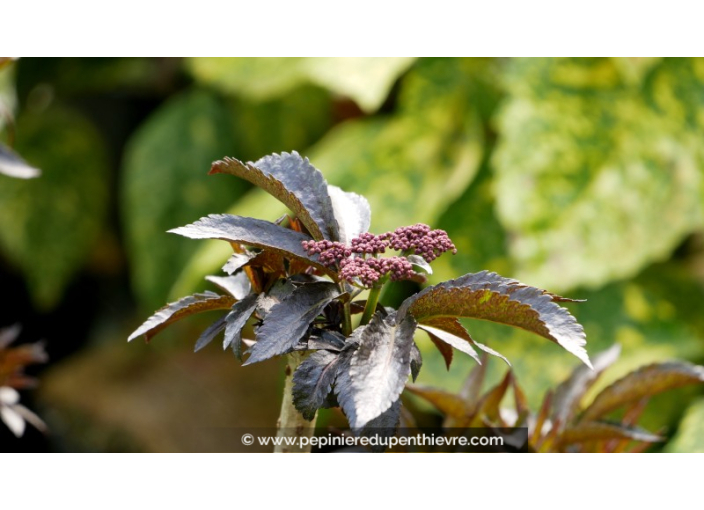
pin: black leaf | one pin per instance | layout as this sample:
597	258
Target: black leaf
312	382
236	319
287	322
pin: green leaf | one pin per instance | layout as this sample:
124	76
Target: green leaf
597	177
365	80
287	322
184	307
252	232
412	165
12	165
644	382
690	434
295	182
380	366
165	184
490	297
49	226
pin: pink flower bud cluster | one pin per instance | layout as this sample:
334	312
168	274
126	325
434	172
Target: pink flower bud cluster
419	239
359	260
369	271
330	252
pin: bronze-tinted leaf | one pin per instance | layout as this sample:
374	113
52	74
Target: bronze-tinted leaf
600	431
570	392
438	335
449	404
288	321
488	296
455	327
293	181
644	382
253	232
176	311
380	366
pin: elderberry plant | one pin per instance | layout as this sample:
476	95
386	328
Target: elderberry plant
304	279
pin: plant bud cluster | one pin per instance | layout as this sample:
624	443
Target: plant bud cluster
360	261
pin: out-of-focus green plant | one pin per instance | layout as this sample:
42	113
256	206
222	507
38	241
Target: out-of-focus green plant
608	424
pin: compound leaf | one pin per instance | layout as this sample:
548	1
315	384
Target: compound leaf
287	322
176	311
491	297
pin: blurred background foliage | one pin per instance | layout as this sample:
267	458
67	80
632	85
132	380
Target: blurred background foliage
583	176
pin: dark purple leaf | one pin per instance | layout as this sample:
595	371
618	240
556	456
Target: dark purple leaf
380	366
252	232
419	261
279	291
324	339
383	426
293	181
352	213
644	382
235	321
238	286
569	393
209	334
176	311
416	361
488	296
237	261
312	382
288	322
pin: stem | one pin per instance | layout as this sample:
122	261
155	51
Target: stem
292	423
346	313
372	300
